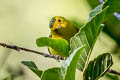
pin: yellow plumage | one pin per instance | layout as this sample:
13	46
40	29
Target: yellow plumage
61	28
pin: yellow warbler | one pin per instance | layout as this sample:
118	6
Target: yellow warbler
61	28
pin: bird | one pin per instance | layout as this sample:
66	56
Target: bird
61	28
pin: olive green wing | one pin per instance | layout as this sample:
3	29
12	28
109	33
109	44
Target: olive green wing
50	36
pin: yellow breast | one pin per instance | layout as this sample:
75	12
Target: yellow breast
61	28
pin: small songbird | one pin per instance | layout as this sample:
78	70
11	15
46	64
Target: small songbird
61	28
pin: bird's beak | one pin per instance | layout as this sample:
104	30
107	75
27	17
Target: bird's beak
57	28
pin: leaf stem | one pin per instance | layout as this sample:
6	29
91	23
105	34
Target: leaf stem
17	48
113	72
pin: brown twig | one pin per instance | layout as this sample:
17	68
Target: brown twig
113	72
17	48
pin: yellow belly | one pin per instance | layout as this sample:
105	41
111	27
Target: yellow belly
53	52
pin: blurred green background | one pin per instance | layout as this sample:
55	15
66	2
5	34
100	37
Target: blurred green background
23	21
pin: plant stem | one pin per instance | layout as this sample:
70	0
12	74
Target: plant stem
113	72
17	48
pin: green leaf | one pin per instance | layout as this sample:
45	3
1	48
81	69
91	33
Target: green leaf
60	45
68	67
93	3
87	36
111	23
93	13
65	72
31	65
114	6
98	67
111	76
52	74
43	41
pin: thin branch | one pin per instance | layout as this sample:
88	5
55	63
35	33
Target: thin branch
113	72
17	48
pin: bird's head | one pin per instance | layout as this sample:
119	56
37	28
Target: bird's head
57	23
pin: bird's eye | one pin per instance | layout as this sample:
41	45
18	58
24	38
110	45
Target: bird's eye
59	20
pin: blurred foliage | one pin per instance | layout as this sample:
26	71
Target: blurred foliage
14	73
4	57
112	28
111	76
93	3
7	78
